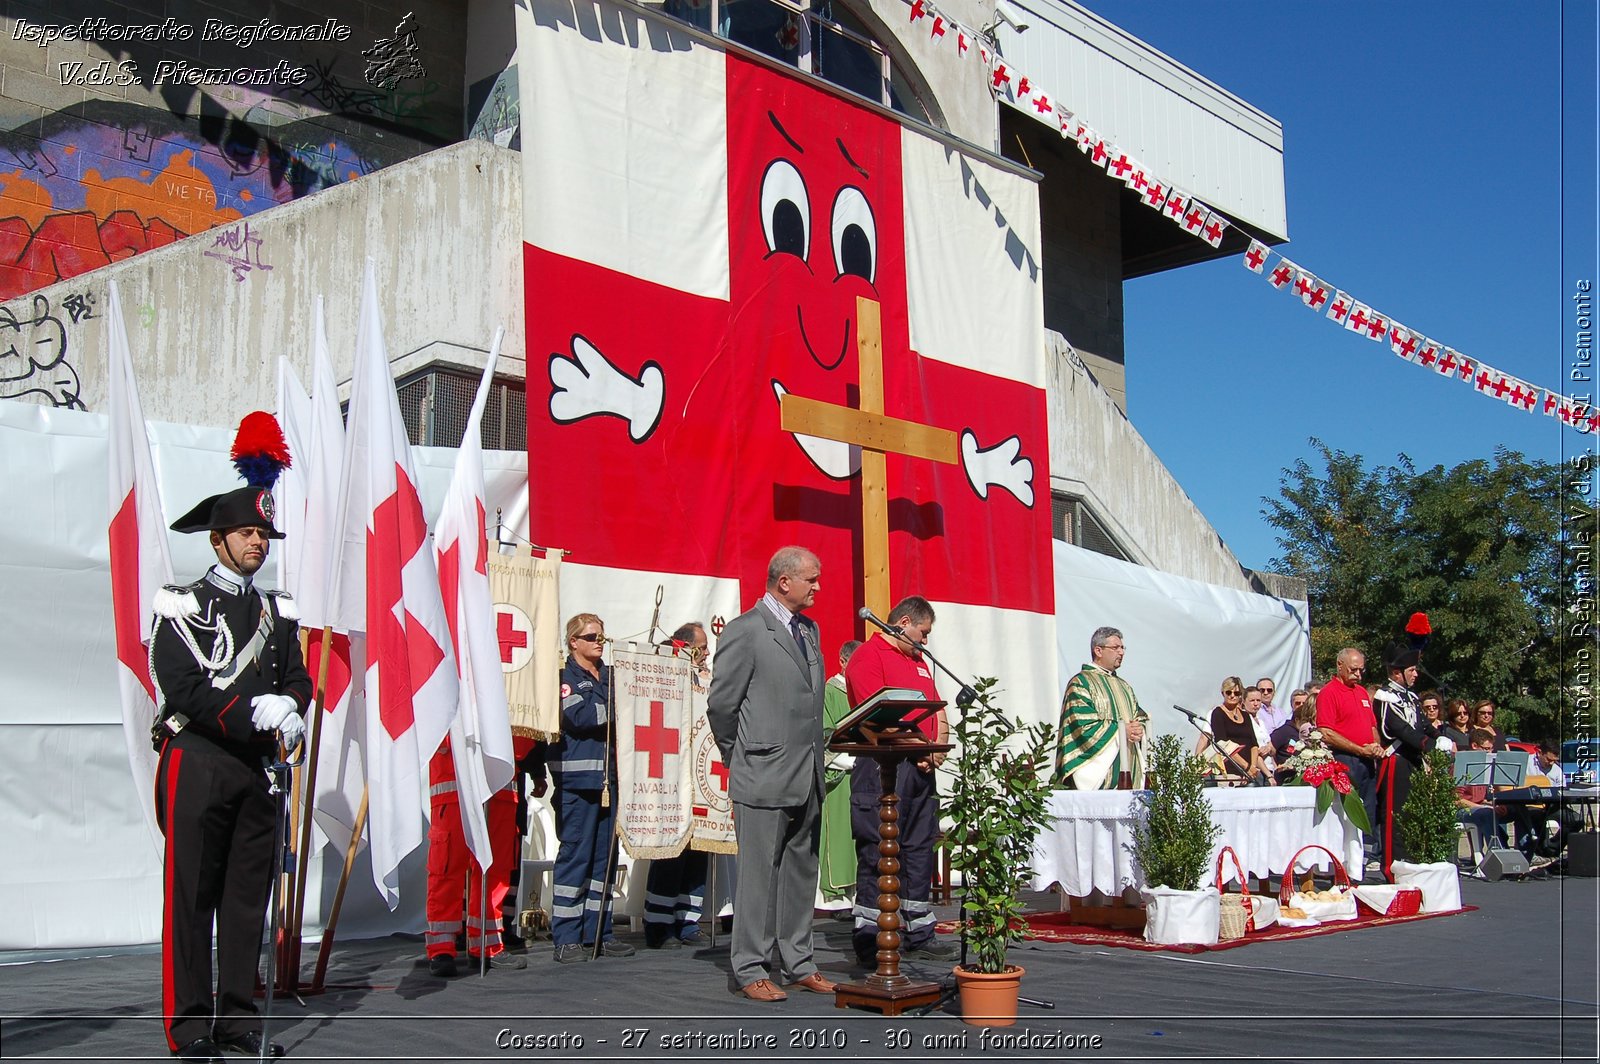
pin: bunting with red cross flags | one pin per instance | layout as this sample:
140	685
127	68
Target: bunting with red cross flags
528	629
650	689
1009	83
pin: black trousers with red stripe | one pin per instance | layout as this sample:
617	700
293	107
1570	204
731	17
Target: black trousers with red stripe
218	819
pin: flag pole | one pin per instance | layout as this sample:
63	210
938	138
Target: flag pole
323	950
297	917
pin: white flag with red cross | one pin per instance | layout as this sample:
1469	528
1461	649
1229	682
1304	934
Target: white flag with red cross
1215	229
389	589
1177	203
1340	307
1491	382
1405	343
480	734
1377	327
1281	276
1359	318
1255	257
1155	194
1522	395
1312	291
339	738
1120	164
140	561
1428	352
1195	217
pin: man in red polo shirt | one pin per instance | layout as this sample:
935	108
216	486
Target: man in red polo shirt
1349	726
896	661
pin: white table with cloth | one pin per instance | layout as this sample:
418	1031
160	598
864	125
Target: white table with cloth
1088	844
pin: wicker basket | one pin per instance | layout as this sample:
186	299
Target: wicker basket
1344	909
1236	909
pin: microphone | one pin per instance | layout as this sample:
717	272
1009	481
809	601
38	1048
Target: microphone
1188	713
866	614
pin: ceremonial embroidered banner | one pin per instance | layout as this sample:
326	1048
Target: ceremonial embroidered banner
711	808
529	625
650	691
698	230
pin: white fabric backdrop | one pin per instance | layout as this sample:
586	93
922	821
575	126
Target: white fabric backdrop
1183	636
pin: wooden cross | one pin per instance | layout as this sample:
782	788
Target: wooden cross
878	436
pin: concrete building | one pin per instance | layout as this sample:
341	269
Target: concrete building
223	211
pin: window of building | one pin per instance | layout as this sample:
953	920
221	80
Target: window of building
435	402
1072	521
821	37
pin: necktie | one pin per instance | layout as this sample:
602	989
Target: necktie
799	637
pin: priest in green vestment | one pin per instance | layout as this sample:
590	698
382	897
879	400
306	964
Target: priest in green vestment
836	858
1102	726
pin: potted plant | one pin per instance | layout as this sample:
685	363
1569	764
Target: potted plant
1173	837
1428	826
997	807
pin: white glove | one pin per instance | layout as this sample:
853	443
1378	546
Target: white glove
290	731
271	710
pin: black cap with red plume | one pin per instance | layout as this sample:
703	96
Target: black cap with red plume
260	452
1418	630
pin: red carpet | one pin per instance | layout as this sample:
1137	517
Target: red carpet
1056	927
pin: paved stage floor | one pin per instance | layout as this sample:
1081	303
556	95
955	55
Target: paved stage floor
1515	980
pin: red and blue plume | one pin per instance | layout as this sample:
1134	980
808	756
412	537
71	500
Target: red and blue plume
260	452
1418	630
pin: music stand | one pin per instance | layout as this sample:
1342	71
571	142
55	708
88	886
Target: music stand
884	729
1491	769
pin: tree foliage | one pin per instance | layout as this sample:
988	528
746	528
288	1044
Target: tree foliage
1477	547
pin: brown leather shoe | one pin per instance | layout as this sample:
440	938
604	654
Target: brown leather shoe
817	983
763	990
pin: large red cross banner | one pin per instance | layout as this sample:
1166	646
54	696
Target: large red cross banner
700	231
651	694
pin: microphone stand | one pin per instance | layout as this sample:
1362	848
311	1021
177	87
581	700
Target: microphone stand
965	697
1258	780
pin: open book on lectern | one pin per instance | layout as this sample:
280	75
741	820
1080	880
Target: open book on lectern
881	718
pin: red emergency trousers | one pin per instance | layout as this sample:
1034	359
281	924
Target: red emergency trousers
452	869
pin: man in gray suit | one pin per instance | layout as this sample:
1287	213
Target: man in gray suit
765	709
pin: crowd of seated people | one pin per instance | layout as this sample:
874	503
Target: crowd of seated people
1249	739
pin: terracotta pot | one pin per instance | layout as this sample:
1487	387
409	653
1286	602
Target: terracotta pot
989	999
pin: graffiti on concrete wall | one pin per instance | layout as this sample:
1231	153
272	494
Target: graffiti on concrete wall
240	249
86	191
34	347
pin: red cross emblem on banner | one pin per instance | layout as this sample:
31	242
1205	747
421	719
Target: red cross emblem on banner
657	740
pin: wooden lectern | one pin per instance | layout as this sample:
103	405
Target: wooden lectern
884	729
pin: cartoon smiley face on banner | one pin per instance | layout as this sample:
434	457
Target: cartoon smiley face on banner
655	438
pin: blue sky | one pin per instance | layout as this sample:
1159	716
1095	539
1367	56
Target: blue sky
1423	148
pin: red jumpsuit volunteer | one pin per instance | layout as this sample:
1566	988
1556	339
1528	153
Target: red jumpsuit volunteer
452	868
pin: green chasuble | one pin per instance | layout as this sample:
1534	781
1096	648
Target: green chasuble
1097	702
836	857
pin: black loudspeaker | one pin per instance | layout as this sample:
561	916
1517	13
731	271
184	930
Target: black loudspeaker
1499	863
1583	853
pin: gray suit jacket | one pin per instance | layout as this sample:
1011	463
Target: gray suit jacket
765	709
